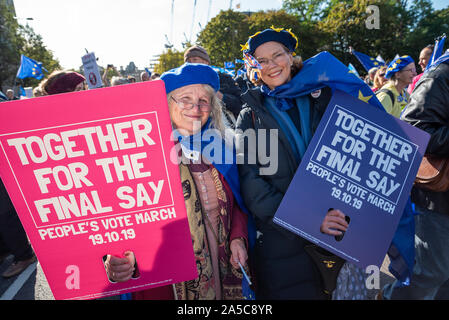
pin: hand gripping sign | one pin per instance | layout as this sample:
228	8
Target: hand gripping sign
89	174
363	162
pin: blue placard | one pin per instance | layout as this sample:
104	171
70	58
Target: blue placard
363	162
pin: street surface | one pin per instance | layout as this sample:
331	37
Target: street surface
32	285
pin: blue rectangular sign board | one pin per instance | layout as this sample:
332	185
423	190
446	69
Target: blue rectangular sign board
363	162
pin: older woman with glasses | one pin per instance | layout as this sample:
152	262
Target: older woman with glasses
393	95
218	225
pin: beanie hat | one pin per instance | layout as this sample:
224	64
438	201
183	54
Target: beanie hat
286	37
397	65
64	83
196	51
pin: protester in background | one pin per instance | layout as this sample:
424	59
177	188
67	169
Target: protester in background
213	204
144	76
424	57
131	79
10	95
369	79
104	77
37	92
63	81
244	82
428	110
379	79
13	239
116	81
3	97
229	91
155	76
283	268
392	95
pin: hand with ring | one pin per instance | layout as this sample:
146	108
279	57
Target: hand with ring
120	269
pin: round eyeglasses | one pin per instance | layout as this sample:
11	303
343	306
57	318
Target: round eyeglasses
186	105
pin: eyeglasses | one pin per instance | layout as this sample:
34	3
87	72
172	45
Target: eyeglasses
187	105
277	58
412	70
382	74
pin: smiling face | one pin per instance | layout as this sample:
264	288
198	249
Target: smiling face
190	121
276	63
424	57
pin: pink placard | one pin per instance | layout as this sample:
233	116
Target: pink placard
90	174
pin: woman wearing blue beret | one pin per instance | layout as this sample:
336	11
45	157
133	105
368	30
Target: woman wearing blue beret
393	95
286	102
218	225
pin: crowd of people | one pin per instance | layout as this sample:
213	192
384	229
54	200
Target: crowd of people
231	207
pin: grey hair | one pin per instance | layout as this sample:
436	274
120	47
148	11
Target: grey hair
116	81
216	113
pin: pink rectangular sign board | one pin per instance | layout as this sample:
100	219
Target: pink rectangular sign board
90	174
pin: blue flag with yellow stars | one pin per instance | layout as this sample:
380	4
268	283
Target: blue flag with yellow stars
30	69
229	65
367	61
324	70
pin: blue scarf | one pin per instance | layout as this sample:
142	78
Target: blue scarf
298	142
210	144
324	70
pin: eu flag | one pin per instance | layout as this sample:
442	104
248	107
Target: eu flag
353	69
29	69
229	65
367	61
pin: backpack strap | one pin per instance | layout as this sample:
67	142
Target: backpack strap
389	93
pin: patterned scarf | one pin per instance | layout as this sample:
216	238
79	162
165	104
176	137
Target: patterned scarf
202	288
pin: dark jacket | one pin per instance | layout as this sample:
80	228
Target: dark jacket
283	268
429	110
231	94
244	83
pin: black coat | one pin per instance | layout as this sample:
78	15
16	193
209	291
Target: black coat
429	110
231	94
283	269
